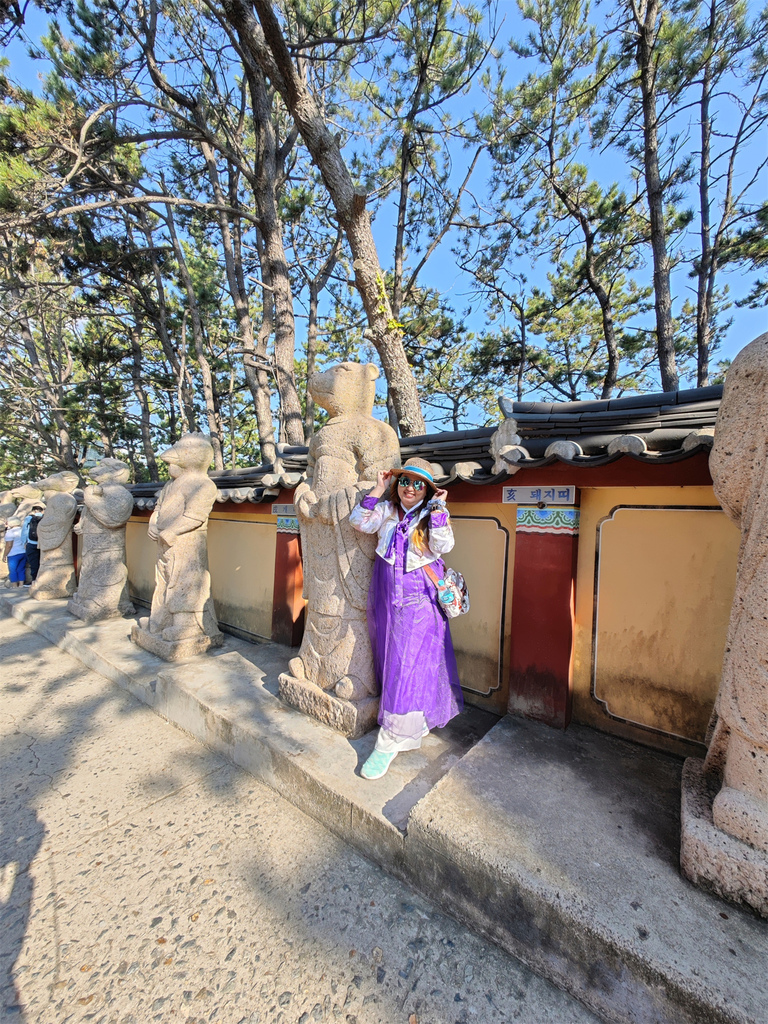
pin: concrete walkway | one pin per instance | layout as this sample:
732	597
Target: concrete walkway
145	878
561	847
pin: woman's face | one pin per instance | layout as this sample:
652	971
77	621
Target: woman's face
410	490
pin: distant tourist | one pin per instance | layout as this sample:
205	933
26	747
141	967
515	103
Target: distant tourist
14	552
410	639
29	536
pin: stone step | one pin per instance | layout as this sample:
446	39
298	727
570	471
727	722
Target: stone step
561	847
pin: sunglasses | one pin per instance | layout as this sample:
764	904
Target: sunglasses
406	481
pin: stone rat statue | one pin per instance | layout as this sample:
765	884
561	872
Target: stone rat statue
738	748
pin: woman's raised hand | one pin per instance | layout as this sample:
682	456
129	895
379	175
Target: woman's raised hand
441	494
382	481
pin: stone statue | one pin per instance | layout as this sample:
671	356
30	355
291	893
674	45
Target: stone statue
102	591
30	494
56	576
333	678
725	840
182	621
7	505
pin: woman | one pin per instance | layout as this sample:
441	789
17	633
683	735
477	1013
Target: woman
411	643
15	553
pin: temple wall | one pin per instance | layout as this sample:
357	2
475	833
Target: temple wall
485	555
655	579
241	555
615	617
140	557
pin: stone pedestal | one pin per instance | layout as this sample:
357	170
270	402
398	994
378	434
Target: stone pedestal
712	858
352	718
174	650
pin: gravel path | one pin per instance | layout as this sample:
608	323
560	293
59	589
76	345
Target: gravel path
143	878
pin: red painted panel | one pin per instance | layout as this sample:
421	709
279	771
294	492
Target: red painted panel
542	627
287	599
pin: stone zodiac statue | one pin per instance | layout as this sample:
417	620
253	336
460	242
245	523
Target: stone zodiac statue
333	678
29	495
56	576
102	591
182	621
724	828
738	748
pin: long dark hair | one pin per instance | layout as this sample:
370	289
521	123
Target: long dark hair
421	533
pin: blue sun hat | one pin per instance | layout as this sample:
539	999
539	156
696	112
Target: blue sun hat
418	469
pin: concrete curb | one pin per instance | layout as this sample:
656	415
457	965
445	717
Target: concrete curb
500	836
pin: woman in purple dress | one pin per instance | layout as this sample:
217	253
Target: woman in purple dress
410	639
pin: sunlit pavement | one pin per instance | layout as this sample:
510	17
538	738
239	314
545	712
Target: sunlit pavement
145	878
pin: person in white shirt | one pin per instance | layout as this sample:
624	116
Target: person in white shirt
15	553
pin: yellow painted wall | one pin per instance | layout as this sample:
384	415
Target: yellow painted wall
241	556
665	580
141	554
485	555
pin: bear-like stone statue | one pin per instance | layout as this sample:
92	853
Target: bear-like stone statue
333	677
182	621
102	591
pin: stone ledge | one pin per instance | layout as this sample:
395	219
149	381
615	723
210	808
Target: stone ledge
563	848
560	847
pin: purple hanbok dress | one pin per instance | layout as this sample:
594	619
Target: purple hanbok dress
411	642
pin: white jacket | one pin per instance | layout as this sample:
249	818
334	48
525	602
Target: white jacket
383	520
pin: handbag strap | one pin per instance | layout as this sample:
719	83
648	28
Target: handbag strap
432	574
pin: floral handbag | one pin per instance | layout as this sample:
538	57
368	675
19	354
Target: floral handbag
452	592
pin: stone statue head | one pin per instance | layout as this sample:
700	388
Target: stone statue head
110	471
27	492
737	461
59	482
192	451
345	389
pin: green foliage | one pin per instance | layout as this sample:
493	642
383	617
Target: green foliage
500	153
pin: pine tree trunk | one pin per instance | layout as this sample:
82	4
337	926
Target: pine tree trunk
214	419
274	262
265	43
646	18
139	391
258	384
704	270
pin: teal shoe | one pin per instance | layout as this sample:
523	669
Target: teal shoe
377	764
